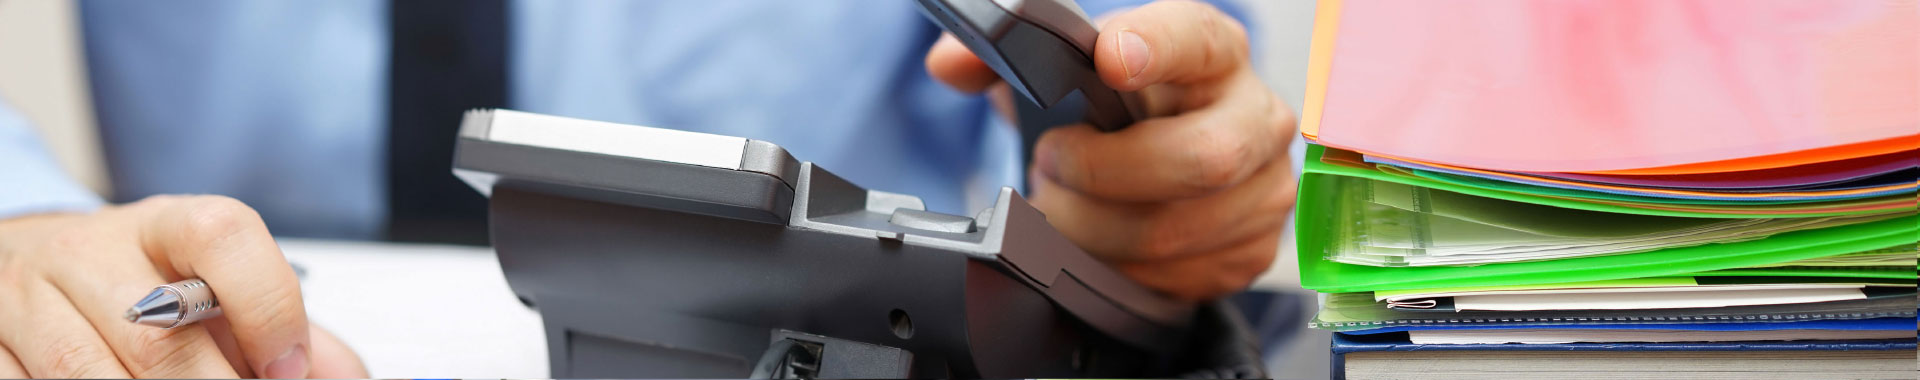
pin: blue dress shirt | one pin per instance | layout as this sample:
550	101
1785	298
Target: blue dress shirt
282	104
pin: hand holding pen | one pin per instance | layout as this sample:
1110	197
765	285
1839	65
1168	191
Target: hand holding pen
66	281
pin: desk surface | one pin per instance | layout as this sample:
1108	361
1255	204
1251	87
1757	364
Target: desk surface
415	311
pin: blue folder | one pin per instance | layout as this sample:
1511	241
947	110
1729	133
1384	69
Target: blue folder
1344	344
1881	324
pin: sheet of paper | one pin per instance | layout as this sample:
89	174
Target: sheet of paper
1635	301
1625	282
1726	289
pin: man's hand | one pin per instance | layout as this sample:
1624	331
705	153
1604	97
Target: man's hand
1190	201
65	281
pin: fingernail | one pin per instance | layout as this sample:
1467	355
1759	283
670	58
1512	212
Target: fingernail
290	365
1134	55
1043	159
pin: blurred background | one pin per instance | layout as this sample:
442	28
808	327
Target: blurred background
44	79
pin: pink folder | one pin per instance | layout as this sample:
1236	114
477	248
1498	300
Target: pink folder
1613	85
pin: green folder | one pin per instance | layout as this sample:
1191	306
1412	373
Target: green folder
1322	183
1553	197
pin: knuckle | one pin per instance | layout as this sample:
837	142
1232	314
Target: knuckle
1077	169
70	239
1217	162
13	276
1277	114
1236	35
160	351
159	201
268	315
74	358
1280	117
1243	271
1164	238
55	245
213	218
1278	202
1208	39
1259	264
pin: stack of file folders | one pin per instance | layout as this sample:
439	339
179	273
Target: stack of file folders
1533	203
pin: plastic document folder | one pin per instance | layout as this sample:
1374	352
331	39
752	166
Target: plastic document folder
1320	192
1620	87
1325	160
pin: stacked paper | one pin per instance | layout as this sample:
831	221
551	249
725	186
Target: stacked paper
1622	171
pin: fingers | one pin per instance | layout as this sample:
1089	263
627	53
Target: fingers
116	278
225	243
1169	42
60	342
1135	231
1183	156
9	367
950	62
223	336
1210	276
332	359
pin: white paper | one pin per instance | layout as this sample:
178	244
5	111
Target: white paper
1669	300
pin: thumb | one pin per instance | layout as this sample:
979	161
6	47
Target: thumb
1180	42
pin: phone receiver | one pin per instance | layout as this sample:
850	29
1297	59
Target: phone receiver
1044	50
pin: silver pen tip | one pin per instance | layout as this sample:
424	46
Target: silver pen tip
161	308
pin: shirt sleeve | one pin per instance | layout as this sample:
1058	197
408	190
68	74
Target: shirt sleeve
30	181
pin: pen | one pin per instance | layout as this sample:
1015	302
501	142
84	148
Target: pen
174	305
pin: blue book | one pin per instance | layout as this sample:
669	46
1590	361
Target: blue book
1391	355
